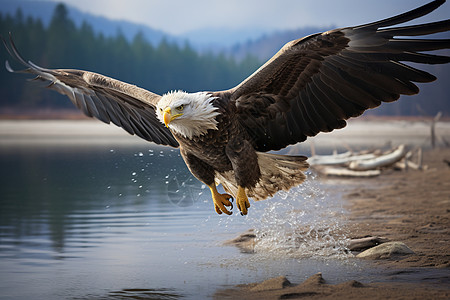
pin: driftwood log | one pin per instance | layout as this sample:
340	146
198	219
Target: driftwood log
366	164
339	159
344	172
380	161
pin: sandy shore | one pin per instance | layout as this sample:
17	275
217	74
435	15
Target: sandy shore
412	207
357	133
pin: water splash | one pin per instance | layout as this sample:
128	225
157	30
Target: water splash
305	222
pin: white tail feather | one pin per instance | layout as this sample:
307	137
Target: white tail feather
278	172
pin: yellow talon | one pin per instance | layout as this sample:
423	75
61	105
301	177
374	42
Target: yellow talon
220	201
242	200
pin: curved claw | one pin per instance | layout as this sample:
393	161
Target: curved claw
220	201
242	201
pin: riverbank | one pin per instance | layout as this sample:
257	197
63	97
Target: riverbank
412	207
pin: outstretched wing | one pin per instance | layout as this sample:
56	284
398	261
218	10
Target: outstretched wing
315	83
104	98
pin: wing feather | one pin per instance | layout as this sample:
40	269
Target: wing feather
306	121
329	110
331	103
315	83
104	98
320	113
405	17
381	84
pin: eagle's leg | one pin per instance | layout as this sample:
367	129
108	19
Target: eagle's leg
245	164
242	200
220	200
205	173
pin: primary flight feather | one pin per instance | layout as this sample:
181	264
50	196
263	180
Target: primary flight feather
311	85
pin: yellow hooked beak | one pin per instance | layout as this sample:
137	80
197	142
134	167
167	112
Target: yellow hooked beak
168	117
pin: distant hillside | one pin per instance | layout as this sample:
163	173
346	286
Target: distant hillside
62	44
213	40
234	42
267	45
154	60
43	10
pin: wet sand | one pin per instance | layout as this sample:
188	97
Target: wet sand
408	206
412	207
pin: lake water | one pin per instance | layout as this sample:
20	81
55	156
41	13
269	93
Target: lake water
84	218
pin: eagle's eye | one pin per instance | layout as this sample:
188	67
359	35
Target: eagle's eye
180	108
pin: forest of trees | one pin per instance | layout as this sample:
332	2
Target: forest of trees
158	68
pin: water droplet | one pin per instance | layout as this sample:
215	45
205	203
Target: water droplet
302	222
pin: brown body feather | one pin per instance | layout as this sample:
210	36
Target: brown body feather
228	156
226	149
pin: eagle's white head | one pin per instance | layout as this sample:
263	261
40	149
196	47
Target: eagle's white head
187	114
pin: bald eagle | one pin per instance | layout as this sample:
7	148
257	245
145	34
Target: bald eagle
311	85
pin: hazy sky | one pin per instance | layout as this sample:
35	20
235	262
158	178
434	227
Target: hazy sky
177	16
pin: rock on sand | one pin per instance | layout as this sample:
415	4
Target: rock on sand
386	250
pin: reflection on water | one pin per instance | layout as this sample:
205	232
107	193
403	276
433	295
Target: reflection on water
131	222
149	294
